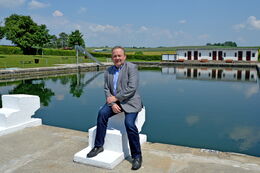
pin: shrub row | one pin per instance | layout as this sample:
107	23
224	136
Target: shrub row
10	50
139	57
59	52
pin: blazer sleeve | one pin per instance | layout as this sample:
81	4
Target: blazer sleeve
106	88
132	85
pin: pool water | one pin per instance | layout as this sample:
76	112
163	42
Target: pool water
213	108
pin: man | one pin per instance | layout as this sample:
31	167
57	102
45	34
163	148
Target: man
121	83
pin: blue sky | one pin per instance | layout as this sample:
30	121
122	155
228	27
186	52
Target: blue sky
149	23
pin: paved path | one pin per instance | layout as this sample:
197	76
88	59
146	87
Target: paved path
46	149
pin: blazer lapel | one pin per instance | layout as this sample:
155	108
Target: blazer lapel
120	78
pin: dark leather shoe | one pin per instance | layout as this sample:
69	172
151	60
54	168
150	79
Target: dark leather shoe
137	163
95	151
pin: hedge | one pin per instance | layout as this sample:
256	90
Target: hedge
7	50
59	52
139	57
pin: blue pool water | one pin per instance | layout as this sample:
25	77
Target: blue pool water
214	108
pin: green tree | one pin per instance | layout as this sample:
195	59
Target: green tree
76	38
25	33
64	39
2	33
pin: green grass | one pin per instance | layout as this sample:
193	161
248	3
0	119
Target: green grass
28	61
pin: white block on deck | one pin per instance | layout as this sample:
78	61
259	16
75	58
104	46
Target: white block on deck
116	146
17	111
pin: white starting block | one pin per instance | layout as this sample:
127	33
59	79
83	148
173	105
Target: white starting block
116	146
17	111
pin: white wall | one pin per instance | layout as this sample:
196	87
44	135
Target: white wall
230	54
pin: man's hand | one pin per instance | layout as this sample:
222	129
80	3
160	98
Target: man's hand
111	99
116	108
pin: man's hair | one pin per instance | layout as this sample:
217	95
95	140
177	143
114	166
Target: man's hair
118	47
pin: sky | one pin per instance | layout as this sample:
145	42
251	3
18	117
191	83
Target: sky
145	23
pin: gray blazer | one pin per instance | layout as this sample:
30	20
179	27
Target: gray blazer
127	85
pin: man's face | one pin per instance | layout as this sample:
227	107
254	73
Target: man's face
118	57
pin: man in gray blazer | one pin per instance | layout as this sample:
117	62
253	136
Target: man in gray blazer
121	83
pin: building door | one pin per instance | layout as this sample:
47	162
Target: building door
220	55
247	75
188	72
189	55
195	55
240	55
195	73
214	55
213	73
248	55
220	74
239	74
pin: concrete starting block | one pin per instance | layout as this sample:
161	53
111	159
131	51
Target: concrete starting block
116	146
17	111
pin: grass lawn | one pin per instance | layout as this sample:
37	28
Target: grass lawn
28	61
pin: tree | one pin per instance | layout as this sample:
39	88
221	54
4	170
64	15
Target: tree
227	43
2	33
64	39
25	33
76	38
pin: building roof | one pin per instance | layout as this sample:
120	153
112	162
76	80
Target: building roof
217	48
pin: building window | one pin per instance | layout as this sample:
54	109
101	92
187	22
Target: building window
209	54
235	54
199	54
224	54
185	54
253	54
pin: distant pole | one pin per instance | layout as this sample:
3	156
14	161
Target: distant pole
77	56
77	53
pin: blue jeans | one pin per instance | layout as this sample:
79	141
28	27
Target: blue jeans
132	132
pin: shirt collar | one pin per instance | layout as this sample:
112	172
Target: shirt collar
115	68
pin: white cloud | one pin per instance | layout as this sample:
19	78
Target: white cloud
245	136
143	28
82	10
253	22
111	35
203	37
250	23
57	13
192	119
11	3
251	91
36	4
239	26
182	21
103	28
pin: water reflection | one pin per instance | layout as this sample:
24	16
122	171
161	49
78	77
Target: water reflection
184	105
77	83
192	120
209	73
30	87
247	137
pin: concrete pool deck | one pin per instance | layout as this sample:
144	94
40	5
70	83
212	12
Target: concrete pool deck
45	149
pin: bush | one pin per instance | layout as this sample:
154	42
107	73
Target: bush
139	57
59	52
10	50
139	53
